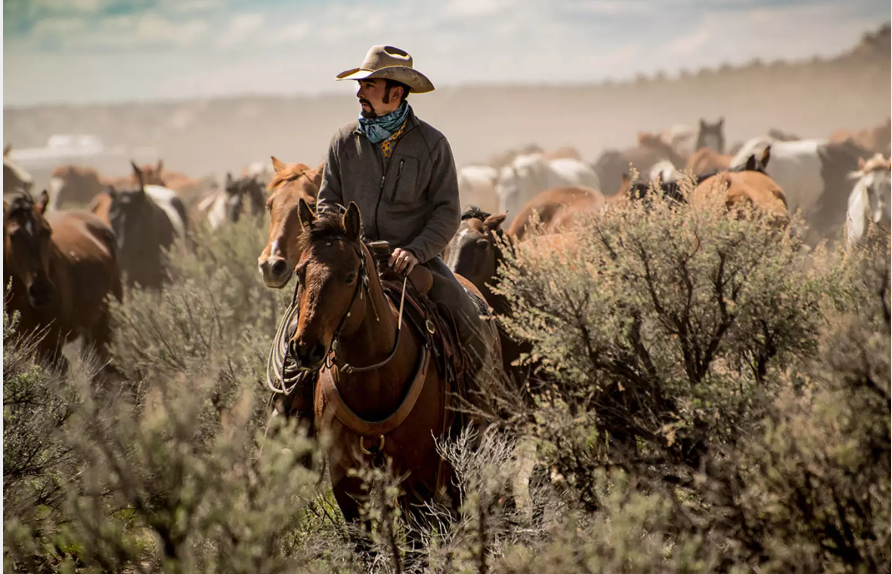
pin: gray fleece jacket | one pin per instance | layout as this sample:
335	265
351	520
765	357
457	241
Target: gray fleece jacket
412	202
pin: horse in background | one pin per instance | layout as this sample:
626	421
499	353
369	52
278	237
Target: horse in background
869	201
62	268
15	178
147	221
226	205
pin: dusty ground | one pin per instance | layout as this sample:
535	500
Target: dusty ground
200	137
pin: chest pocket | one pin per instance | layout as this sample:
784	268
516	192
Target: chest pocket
404	180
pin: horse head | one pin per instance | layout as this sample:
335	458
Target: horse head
333	272
711	136
27	246
291	184
473	251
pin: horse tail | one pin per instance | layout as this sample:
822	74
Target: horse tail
107	237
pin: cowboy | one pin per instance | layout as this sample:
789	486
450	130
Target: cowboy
400	172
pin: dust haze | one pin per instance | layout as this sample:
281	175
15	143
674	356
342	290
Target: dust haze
202	137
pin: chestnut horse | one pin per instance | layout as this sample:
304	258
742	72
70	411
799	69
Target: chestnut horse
378	394
556	208
290	184
62	267
745	193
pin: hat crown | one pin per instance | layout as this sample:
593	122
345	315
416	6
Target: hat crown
386	56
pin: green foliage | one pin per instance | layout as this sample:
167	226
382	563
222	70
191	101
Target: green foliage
711	396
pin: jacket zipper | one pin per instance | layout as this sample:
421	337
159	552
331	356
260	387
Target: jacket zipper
384	177
396	184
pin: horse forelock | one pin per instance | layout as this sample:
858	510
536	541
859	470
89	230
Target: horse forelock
326	226
474	212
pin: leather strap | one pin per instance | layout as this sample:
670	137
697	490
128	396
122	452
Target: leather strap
369	428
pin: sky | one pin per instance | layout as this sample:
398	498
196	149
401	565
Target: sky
86	51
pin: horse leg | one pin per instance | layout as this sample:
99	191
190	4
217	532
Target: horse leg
346	493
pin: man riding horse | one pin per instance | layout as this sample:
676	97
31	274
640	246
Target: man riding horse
400	172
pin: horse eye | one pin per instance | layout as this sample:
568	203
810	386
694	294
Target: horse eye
351	278
482	244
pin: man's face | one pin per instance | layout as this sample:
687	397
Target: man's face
375	100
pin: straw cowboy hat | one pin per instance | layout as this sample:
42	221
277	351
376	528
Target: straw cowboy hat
389	63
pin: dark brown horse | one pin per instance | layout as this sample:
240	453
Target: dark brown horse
227	205
379	392
146	221
290	184
62	267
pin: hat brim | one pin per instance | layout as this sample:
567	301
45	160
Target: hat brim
417	82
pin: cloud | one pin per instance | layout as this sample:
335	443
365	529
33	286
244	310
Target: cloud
240	28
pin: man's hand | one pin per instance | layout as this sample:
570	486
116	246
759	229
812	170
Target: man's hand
402	260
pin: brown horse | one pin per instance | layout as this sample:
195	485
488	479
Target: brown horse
875	139
651	149
290	184
146	221
557	208
706	159
745	192
62	266
378	394
73	184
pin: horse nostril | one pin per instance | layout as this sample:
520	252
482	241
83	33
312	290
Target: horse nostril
317	353
39	294
278	267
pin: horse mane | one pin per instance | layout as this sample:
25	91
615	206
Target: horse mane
19	201
877	163
474	212
290	173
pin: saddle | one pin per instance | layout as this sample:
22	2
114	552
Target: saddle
434	322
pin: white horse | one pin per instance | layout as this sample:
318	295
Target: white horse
477	186
529	175
870	199
795	166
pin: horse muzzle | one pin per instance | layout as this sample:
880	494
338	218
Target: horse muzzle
307	356
40	294
276	272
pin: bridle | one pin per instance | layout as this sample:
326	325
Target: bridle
331	359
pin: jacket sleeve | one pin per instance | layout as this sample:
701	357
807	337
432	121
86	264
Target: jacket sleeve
445	206
330	196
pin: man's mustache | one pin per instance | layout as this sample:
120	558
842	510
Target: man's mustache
364	101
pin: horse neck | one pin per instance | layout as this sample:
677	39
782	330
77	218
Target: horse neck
379	391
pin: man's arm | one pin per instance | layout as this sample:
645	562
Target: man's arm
445	206
330	196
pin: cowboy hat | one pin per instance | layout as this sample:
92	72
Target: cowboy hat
389	63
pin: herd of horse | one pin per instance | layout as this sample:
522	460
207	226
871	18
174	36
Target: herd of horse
379	393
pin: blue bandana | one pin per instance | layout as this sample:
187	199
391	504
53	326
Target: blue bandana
380	128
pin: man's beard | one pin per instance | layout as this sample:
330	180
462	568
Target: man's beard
368	114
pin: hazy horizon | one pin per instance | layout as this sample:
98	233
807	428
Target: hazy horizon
115	51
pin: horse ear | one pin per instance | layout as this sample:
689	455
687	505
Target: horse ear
766	155
750	164
721	121
277	164
159	167
112	192
861	164
702	124
228	178
305	214
42	202
6	150
495	221
353	222
140	178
